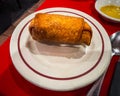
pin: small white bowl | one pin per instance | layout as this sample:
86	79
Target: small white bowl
101	3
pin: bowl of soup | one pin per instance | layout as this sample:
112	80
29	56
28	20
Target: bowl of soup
109	9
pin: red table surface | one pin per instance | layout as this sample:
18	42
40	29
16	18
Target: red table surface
13	84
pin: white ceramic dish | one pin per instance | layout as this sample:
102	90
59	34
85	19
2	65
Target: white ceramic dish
101	3
57	72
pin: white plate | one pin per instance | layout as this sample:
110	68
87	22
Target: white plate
59	71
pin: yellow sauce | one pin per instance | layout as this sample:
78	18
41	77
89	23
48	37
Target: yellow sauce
111	10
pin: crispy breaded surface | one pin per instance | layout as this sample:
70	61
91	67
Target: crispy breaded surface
59	29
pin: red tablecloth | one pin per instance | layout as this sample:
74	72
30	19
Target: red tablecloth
13	84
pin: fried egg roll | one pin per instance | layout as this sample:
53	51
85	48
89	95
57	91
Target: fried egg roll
60	29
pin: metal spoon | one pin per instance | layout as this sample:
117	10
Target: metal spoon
115	83
115	41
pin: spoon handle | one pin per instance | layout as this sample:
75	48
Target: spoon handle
115	83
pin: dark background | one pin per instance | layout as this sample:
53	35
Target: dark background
11	10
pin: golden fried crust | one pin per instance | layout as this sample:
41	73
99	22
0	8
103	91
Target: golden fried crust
59	29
